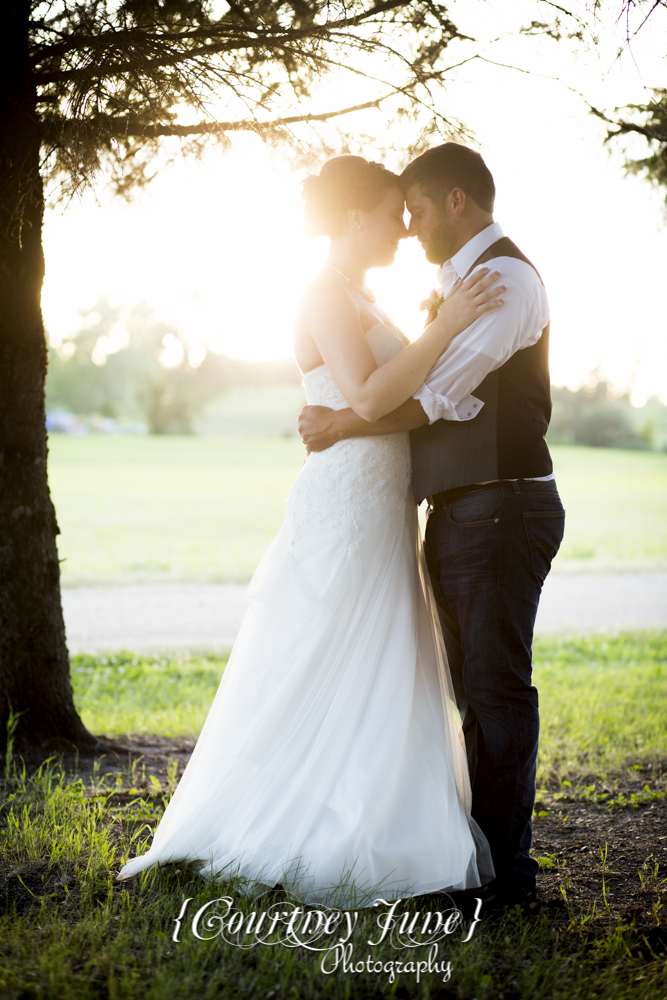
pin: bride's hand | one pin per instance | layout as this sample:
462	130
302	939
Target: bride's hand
470	299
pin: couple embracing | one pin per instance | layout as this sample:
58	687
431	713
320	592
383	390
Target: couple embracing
375	732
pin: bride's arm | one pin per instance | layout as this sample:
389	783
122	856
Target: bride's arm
333	322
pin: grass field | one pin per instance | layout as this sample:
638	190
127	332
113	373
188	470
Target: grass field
169	508
205	508
602	700
71	932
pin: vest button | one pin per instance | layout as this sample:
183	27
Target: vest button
496	520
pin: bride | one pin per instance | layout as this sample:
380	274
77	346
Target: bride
332	760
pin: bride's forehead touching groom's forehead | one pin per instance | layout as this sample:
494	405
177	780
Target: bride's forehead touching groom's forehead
394	197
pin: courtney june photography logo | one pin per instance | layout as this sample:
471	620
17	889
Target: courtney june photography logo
331	932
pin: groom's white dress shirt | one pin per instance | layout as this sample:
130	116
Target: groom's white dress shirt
447	393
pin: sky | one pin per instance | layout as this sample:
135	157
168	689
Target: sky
217	247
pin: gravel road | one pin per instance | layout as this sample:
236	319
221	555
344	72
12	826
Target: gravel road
208	616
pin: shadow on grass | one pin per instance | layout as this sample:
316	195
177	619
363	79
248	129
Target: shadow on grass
68	929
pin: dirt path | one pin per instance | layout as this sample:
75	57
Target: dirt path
208	616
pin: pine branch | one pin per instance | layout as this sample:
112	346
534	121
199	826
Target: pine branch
105	71
118	128
624	127
238	35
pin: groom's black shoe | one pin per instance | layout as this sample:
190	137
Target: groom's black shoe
489	896
464	900
496	897
501	896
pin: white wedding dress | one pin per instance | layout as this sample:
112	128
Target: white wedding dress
332	759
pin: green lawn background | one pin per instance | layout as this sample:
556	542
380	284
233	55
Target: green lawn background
602	699
204	508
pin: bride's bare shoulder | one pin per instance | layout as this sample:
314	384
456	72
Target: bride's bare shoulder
326	307
324	296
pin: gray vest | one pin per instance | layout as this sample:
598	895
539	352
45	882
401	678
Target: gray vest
506	440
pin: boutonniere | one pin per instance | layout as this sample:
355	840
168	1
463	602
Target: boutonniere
432	304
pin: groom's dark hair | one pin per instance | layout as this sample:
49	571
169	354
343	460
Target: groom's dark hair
451	165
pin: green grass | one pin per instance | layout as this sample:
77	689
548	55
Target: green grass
125	693
70	932
111	943
603	704
602	699
616	504
205	508
163	508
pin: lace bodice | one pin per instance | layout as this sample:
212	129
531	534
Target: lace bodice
337	487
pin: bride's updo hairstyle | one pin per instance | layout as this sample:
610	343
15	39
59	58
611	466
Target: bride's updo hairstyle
344	182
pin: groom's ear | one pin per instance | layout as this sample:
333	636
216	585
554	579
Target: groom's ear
456	201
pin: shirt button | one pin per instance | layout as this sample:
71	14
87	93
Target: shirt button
474	406
469	413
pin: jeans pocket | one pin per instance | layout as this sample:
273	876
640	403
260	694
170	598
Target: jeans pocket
545	531
480	507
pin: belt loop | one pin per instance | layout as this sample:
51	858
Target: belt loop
515	486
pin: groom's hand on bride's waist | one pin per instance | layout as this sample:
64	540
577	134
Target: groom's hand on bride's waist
319	426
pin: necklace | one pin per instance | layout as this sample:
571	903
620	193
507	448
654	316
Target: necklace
367	294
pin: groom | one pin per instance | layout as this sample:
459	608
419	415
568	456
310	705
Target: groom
495	520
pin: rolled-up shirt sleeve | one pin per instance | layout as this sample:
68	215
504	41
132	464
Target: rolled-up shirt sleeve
448	392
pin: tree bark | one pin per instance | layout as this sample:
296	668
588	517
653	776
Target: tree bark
34	664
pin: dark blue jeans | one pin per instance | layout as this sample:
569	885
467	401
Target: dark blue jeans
488	555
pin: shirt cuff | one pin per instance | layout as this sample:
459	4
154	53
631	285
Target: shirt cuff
440	408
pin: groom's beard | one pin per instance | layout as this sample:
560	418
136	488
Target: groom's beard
439	245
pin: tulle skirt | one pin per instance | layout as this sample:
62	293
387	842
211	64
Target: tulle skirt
332	759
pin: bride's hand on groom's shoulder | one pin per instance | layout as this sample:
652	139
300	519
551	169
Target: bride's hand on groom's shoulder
316	427
470	299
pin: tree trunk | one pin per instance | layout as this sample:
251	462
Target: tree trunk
34	665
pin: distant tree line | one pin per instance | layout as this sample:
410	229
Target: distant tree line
132	365
138	367
595	416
